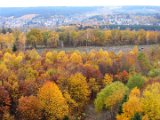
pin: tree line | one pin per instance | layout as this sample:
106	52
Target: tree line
72	37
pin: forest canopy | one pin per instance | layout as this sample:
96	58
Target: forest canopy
63	85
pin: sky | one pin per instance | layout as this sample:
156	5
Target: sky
34	3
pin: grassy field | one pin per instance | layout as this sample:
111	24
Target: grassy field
124	48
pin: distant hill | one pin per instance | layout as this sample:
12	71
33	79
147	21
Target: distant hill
45	11
70	11
139	9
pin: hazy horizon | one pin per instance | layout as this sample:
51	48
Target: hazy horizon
80	6
73	3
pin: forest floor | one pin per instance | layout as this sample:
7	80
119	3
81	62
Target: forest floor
91	114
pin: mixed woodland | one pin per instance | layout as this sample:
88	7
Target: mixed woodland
60	85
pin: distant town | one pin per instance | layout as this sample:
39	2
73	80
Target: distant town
89	17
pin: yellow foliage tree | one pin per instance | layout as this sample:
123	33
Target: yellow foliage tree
132	106
107	79
76	58
3	72
53	102
94	86
71	102
150	100
91	55
78	89
62	57
103	56
33	55
22	41
50	57
9	40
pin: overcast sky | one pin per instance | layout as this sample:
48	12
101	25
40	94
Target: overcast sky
26	3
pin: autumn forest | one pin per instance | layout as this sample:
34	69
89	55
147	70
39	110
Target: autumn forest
64	85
